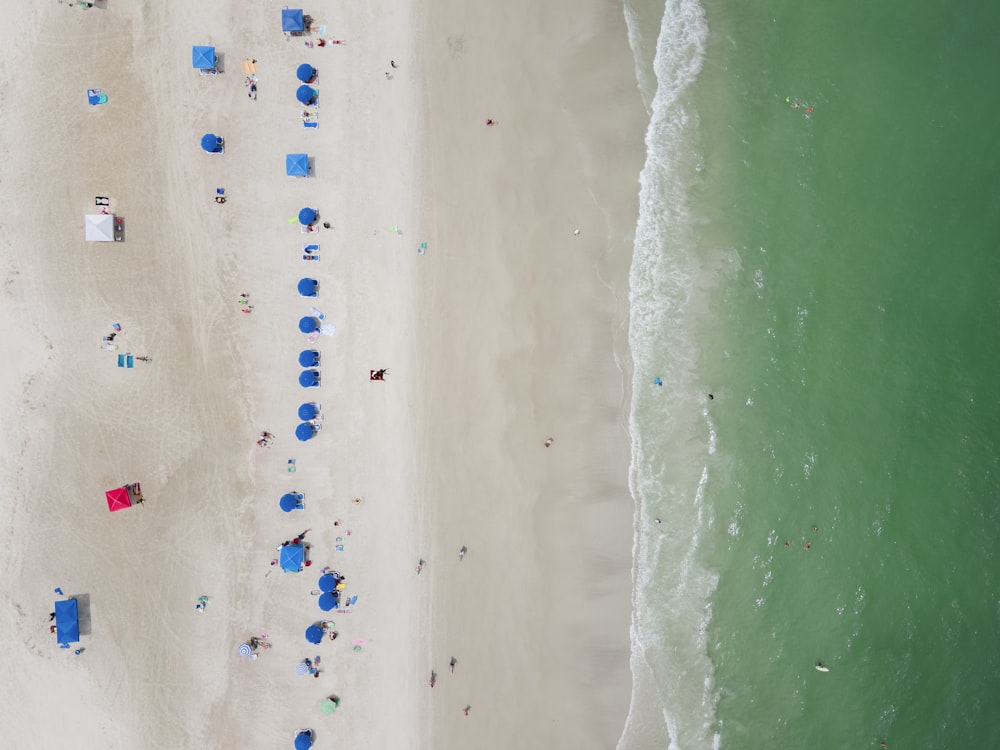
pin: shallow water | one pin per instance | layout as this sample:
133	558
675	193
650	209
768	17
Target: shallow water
829	276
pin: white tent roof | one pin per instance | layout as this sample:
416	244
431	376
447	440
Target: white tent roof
99	228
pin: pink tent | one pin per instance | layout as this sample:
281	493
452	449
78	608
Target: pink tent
118	498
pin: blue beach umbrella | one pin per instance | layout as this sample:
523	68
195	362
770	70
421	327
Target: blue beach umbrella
292	557
289	502
202	57
305	431
327	582
309	378
314	634
297	165
328	601
305	73
308	324
211	143
307	216
303	741
306	94
308	411
292	20
308	358
308	287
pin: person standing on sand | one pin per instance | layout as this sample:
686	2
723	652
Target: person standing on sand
466	710
548	442
461	553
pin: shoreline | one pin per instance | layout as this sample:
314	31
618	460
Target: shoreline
529	320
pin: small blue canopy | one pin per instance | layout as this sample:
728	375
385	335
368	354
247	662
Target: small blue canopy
327	582
309	378
297	165
303	740
67	621
305	431
308	358
203	58
211	143
289	501
292	20
291	558
307	216
308	411
307	287
306	94
308	324
314	634
305	73
328	600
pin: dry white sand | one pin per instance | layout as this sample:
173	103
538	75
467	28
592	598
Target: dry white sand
500	335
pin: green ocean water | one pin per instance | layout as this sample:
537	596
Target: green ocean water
850	340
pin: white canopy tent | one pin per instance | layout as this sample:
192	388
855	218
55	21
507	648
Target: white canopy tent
99	228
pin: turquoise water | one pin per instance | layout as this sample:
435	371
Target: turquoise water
831	278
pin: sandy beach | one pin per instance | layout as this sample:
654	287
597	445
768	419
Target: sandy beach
507	329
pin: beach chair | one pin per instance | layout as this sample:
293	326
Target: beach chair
129	361
121	360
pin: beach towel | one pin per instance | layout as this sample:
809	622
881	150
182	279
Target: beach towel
129	361
121	360
310	124
328	330
250	67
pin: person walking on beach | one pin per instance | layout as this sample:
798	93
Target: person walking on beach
461	553
466	710
452	663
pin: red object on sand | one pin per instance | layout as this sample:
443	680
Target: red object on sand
118	498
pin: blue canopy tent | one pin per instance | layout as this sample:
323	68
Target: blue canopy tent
203	58
328	582
304	740
308	411
306	94
305	73
291	558
328	600
292	21
290	501
308	324
305	431
307	216
212	143
297	165
309	378
308	358
67	621
314	634
308	287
